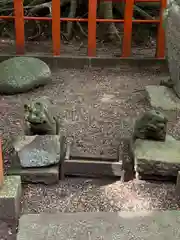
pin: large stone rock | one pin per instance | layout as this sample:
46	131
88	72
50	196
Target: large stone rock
161	97
157	158
173	44
21	74
36	151
146	225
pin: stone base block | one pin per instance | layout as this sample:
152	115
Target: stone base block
46	175
146	225
88	165
161	97
157	178
156	158
10	196
178	184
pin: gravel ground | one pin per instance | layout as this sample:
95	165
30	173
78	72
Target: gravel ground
97	107
87	195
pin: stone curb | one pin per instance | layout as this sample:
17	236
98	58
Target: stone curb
98	62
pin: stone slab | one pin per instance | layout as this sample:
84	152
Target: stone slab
37	150
10	196
157	178
46	175
161	97
79	62
146	225
157	158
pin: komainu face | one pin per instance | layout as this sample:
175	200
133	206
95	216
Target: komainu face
39	117
151	125
35	113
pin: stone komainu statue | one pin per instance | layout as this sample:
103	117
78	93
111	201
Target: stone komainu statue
39	118
151	125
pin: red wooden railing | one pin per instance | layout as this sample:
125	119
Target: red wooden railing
92	20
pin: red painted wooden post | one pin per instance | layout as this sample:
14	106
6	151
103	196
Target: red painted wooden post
92	28
56	31
1	166
126	46
19	26
160	49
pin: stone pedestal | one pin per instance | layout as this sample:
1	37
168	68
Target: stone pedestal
155	159
45	175
10	196
37	159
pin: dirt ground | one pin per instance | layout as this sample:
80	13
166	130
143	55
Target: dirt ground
97	107
8	230
78	48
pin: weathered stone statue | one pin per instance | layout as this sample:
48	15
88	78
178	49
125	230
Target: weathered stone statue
172	30
39	118
151	126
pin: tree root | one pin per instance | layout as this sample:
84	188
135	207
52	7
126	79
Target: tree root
35	10
120	7
81	29
143	13
37	33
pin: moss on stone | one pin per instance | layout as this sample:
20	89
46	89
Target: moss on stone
10	187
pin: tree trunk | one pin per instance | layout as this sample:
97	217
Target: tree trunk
106	12
72	14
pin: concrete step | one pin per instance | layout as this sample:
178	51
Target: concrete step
156	225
